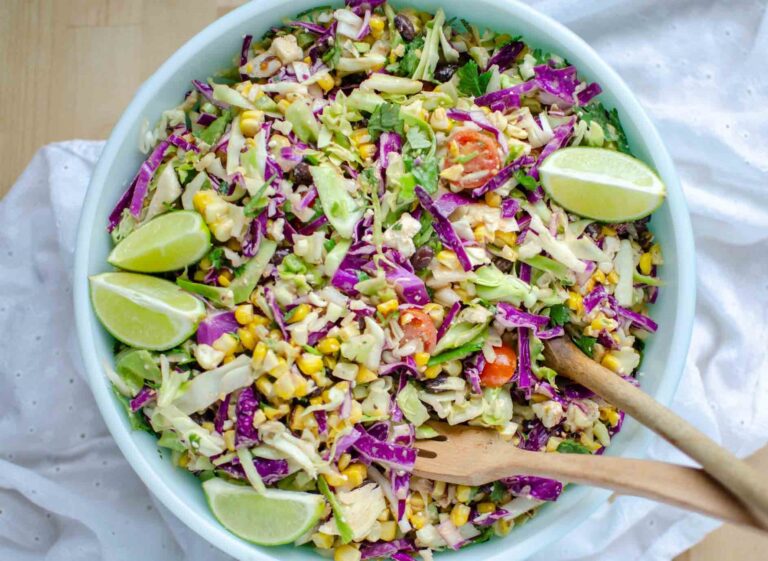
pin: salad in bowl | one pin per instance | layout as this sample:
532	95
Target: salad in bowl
372	220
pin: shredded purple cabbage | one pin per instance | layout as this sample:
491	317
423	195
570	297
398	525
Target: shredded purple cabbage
216	325
444	228
533	487
245	408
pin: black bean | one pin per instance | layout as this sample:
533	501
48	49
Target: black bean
444	72
502	264
422	258
405	27
301	174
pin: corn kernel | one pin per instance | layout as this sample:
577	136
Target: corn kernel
346	552
285	386
183	461
432	372
223	279
229	440
250	123
485	508
365	375
335	479
310	363
356	413
298	313
202	199
259	320
387	307
645	263
383	515
283	105
599	277
207	425
493	199
613	277
589	285
326	82
508	238
329	346
438	490
481	234
611	363
367	150
388	531
360	136
610	414
418	520
264	386
259	352
608	231
463	493
503	526
344	461
448	258
244	314
539	398
377	23
199	275
460	515
575	301
421	359
416	502
589	442
226	343
355	474
599	322
298	419
322	541
553	443
247	339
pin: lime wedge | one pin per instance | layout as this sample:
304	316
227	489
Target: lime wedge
166	243
274	517
601	184
143	311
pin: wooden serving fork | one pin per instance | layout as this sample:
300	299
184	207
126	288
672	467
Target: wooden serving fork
474	456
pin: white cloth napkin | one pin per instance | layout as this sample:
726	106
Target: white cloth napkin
66	493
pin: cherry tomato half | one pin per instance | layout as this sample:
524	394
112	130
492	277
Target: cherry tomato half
418	325
497	373
484	152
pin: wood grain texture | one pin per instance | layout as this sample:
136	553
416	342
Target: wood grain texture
737	476
47	63
477	456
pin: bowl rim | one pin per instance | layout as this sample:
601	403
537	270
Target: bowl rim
215	533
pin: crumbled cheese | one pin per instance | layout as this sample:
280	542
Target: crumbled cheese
287	49
400	235
550	412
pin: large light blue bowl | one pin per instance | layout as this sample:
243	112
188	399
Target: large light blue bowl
213	49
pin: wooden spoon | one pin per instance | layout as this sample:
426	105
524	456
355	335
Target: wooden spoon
474	456
734	474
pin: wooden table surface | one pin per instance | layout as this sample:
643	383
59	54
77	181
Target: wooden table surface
69	67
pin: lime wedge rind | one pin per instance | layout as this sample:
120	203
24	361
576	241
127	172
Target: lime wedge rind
168	242
275	517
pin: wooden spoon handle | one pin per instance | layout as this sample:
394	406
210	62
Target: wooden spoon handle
684	487
738	477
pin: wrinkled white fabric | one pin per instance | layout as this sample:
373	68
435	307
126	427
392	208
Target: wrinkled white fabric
698	67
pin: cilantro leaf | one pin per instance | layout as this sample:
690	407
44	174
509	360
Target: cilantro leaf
409	62
586	344
213	132
386	117
216	257
608	121
559	314
497	492
471	82
526	181
572	447
426	173
332	55
417	139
